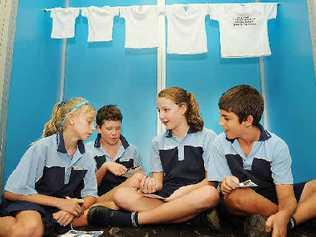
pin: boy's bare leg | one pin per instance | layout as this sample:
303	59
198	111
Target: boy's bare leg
306	208
247	201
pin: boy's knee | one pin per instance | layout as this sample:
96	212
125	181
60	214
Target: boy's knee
235	200
209	197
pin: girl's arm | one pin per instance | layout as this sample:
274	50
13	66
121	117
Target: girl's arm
70	205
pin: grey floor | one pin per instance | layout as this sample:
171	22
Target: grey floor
183	230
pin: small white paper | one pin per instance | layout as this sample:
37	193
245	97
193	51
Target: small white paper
247	184
80	233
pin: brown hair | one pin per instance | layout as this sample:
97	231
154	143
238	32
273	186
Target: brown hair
60	113
243	100
108	113
181	96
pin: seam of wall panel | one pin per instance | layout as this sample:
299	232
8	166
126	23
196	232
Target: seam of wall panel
312	24
8	12
161	59
262	78
63	62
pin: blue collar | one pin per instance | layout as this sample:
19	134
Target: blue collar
264	135
97	142
169	132
61	144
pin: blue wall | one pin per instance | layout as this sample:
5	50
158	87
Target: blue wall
291	86
207	76
34	82
108	73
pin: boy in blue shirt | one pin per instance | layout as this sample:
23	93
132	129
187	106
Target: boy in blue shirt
247	151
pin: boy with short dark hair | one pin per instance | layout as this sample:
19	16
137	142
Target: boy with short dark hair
246	151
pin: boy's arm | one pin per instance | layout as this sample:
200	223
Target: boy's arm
278	222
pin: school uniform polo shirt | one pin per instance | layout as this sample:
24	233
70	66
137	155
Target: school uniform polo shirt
181	160
47	169
127	155
268	163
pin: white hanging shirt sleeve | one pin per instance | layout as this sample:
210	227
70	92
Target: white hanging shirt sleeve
100	22
63	25
186	29
141	26
243	28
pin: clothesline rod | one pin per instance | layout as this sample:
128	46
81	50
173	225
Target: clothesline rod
80	8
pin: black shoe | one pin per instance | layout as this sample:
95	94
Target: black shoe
102	216
99	216
254	226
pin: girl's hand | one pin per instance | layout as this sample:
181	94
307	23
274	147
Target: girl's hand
71	205
179	193
115	168
64	218
228	184
148	185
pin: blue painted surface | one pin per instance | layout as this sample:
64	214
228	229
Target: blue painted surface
108	73
35	75
207	76
291	86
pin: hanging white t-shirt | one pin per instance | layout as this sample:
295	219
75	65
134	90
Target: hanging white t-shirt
243	28
100	21
141	26
186	28
63	22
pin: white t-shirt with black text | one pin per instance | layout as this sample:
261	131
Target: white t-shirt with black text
243	28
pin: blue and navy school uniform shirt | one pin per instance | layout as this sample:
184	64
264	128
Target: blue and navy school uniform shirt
47	169
127	155
182	161
269	162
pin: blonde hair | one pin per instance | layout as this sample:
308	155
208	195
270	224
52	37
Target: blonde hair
60	114
180	96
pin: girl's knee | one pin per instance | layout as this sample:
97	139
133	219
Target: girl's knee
209	196
32	228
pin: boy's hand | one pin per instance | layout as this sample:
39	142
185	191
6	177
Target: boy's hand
148	185
64	218
115	168
277	224
71	205
228	184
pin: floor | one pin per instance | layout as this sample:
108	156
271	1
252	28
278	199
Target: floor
184	230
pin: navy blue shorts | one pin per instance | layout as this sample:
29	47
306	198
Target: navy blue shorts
270	193
12	208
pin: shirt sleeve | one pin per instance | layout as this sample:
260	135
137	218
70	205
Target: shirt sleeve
155	161
137	158
271	10
28	171
123	12
217	164
215	11
281	164
85	12
207	146
90	181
